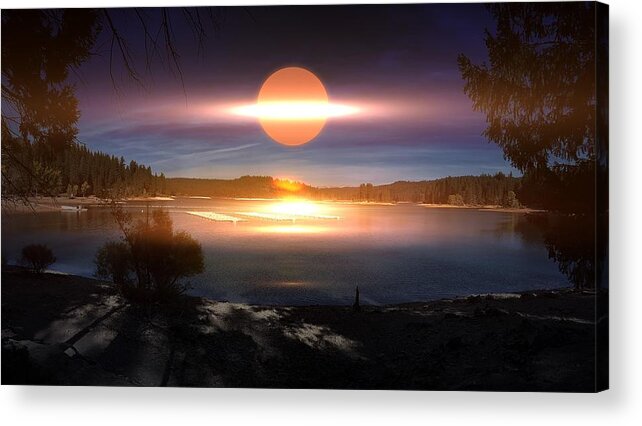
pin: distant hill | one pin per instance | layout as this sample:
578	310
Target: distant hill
498	189
243	187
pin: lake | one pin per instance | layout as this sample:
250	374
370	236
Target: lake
394	253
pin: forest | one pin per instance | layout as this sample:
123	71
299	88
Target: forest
104	175
498	189
78	171
74	171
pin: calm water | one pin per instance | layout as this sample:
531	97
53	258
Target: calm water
395	253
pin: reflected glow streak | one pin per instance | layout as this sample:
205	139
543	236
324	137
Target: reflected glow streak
268	216
294	110
292	229
216	217
290	211
300	209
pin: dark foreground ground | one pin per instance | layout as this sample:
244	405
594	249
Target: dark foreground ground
68	330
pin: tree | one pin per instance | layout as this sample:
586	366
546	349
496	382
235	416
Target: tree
84	188
456	200
538	95
511	200
37	256
39	107
152	260
40	111
113	262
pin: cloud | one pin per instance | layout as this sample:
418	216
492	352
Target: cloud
210	155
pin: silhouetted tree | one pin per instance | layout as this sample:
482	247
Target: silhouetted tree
39	108
570	241
39	111
113	262
152	260
538	94
37	257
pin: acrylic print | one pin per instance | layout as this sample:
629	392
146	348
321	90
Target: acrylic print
358	196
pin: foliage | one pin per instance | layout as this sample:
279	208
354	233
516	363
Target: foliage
475	190
84	187
570	241
113	262
456	200
152	260
37	256
511	200
471	190
538	95
39	109
103	175
245	186
78	171
38	50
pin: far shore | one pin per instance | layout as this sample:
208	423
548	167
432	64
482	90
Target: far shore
487	208
69	330
49	204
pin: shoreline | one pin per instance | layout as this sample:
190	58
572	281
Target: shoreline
48	204
482	208
52	204
85	333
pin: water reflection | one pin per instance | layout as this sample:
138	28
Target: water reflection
291	229
570	241
394	253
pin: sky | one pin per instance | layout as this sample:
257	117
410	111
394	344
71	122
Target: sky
397	64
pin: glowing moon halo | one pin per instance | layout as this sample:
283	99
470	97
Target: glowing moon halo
293	106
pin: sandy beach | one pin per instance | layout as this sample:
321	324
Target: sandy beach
68	330
49	204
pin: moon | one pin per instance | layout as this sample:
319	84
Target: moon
293	106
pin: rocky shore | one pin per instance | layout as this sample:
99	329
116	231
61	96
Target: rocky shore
68	330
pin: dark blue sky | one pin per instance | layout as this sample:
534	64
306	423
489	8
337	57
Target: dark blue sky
397	62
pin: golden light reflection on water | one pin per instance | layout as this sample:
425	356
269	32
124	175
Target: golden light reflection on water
300	208
291	284
293	216
290	229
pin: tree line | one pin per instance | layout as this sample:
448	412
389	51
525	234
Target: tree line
79	171
106	175
498	189
242	187
74	171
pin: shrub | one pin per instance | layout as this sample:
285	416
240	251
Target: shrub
152	260
37	257
113	262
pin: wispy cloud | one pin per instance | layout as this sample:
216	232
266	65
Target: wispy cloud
212	154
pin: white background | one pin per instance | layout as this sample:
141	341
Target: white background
620	405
